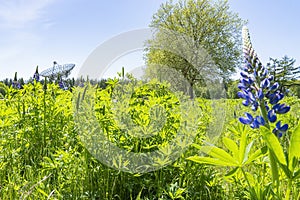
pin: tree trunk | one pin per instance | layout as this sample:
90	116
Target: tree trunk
191	91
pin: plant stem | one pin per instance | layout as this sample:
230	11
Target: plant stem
288	192
245	175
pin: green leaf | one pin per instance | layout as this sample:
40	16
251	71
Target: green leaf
139	195
247	151
42	192
296	174
294	147
231	146
197	146
211	161
273	144
232	172
219	154
258	153
242	149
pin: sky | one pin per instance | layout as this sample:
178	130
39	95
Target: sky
38	32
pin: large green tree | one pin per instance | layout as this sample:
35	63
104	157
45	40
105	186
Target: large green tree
199	39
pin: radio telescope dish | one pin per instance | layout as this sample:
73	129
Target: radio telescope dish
58	70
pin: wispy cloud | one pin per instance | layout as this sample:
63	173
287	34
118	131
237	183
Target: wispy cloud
18	13
21	25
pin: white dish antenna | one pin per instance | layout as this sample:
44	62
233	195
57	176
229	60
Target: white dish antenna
58	70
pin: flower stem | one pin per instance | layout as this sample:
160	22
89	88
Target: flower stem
263	112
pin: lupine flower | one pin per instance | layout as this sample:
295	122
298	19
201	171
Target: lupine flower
36	75
259	90
279	130
62	84
15	83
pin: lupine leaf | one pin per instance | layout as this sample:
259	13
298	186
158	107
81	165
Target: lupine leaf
232	172
294	146
247	151
231	146
258	153
243	142
211	161
273	144
219	154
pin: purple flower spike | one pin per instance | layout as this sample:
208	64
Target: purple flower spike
260	91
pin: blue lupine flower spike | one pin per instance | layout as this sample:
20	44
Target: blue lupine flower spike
260	91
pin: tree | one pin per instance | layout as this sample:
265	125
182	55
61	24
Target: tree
284	71
197	38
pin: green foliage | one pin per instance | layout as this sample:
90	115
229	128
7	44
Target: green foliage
152	113
200	39
3	90
239	157
284	71
43	157
232	89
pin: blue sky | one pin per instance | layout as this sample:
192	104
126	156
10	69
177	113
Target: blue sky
37	32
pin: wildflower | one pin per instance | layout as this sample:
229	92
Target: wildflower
253	122
36	75
259	90
61	84
15	83
280	130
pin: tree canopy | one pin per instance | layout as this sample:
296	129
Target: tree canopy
284	70
196	38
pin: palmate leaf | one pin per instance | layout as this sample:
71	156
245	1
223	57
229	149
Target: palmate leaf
219	154
239	155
